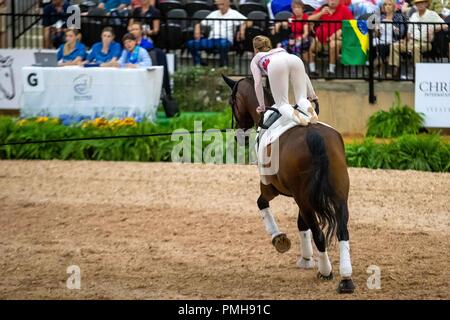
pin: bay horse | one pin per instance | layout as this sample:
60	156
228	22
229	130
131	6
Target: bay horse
312	170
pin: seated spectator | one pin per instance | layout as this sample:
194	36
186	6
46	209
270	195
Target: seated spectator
387	33
149	16
107	50
54	23
441	7
221	35
419	37
299	41
328	34
133	55
109	5
72	52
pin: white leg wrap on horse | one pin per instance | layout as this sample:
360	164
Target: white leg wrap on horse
305	240
345	264
306	261
324	264
269	222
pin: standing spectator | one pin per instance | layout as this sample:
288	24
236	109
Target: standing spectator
328	34
137	31
157	55
221	35
54	23
133	56
3	9
72	52
149	16
109	5
419	37
107	50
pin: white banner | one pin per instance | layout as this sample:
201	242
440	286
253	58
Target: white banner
11	63
433	93
94	92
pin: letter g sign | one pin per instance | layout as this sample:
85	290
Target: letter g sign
32	79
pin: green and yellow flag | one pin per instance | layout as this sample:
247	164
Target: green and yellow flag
355	42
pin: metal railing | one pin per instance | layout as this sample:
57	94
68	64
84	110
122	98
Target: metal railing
393	47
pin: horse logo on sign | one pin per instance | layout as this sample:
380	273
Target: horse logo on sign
7	84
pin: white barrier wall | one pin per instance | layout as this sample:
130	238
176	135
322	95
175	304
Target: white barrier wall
432	93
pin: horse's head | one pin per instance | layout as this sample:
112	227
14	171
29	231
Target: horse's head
7	85
243	102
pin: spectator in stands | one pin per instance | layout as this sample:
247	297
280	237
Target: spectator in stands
72	52
3	9
276	6
149	16
109	5
221	35
419	37
442	7
328	34
54	23
133	55
107	50
299	41
137	30
135	4
388	33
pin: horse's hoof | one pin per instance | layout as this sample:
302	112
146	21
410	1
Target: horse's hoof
281	242
303	263
346	286
322	277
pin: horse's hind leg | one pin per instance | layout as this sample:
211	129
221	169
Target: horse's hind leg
345	266
279	240
306	254
324	264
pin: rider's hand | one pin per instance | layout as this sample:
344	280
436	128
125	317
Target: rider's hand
260	109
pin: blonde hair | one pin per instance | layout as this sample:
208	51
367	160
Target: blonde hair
262	43
393	2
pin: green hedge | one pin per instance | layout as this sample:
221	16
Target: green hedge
417	152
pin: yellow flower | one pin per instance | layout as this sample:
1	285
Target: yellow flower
22	122
129	122
115	123
54	121
41	119
100	122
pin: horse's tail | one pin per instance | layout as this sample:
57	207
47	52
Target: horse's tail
320	192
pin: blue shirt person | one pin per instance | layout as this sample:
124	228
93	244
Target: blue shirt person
72	52
133	56
107	50
109	5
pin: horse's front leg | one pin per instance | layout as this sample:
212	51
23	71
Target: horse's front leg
279	239
345	265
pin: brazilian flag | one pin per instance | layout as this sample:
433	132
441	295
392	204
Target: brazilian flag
355	42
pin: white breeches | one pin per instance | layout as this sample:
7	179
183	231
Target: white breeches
282	69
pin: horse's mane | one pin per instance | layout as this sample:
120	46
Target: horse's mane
267	93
